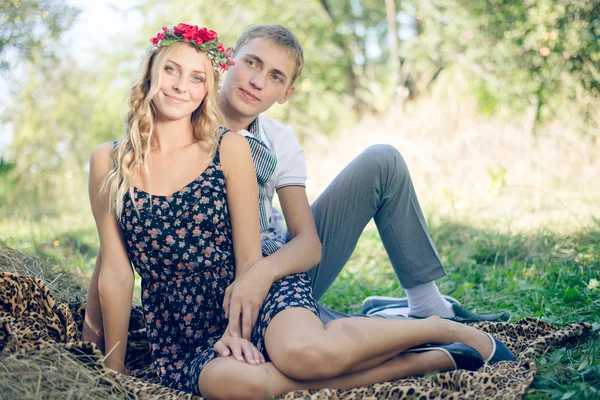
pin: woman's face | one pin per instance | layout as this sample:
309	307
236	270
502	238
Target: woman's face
183	83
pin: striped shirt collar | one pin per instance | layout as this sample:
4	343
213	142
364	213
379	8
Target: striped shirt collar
254	129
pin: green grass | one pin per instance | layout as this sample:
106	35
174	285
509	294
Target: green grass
543	274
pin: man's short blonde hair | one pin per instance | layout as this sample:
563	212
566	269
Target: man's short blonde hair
280	36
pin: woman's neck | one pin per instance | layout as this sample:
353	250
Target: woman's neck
171	135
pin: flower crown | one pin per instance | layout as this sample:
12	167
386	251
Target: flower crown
201	38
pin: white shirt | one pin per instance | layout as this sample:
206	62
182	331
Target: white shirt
290	171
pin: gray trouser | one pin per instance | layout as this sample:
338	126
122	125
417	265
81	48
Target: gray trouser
375	185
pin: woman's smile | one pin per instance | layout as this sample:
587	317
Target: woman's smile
175	99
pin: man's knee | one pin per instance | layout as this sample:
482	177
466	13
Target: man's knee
385	156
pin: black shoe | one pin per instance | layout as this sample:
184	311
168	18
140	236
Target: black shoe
499	352
461	355
374	304
463	315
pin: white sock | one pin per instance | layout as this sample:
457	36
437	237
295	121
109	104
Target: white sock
426	300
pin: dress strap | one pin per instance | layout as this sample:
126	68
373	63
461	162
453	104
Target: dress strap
222	131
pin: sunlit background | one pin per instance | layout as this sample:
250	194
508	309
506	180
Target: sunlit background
493	104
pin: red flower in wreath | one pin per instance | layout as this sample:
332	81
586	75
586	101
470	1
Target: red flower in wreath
207	35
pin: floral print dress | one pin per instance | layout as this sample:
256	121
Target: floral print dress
181	246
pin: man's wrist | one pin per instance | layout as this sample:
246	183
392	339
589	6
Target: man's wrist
267	269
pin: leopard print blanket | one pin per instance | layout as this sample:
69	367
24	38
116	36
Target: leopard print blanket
31	322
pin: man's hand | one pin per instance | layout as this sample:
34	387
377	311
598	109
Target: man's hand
244	299
242	349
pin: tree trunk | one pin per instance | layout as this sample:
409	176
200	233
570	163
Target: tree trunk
390	7
342	43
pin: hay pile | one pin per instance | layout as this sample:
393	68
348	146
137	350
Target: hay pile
54	372
65	287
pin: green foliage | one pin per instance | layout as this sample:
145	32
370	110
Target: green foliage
518	52
28	27
59	116
527	55
6	183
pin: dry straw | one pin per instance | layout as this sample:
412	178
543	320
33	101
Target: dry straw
53	372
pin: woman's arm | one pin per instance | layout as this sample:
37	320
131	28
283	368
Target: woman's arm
244	298
115	282
242	200
92	326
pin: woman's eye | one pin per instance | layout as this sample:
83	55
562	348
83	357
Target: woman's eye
170	69
198	79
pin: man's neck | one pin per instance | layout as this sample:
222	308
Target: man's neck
232	119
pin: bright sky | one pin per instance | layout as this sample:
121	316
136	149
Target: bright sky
98	23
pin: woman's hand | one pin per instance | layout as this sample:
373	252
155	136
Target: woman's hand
241	349
118	368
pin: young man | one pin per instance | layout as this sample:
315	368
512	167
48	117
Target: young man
320	237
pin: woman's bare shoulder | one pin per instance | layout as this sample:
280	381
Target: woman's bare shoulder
101	159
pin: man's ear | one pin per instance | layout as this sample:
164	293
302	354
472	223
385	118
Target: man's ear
287	94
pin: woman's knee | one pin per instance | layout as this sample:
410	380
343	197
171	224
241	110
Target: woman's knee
309	359
227	378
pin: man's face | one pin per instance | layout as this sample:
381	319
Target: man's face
261	76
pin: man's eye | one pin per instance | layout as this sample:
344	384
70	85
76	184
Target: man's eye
250	62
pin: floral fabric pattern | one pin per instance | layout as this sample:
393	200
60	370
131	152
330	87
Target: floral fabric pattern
181	246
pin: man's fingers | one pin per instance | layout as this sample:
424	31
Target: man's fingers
227	301
254	317
234	318
247	323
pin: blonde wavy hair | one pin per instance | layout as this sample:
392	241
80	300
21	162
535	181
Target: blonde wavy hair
132	152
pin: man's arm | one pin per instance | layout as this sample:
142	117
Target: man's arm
303	251
300	254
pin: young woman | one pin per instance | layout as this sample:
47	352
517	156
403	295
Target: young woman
179	201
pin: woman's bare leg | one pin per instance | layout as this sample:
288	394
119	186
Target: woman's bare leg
228	378
302	348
